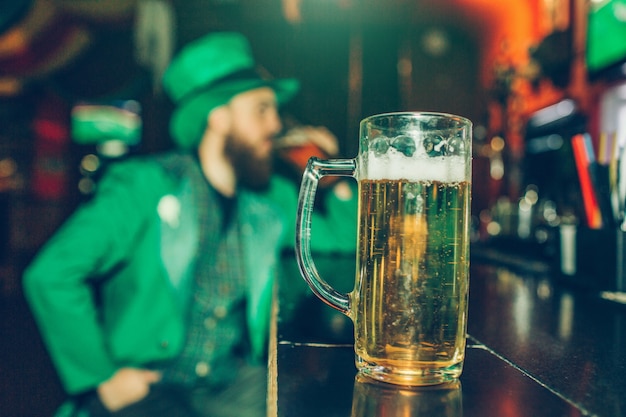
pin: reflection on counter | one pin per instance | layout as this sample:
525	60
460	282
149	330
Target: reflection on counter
372	399
531	301
568	337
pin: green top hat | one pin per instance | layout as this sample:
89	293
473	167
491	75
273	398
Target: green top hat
206	74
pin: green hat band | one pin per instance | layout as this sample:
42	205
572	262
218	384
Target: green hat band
243	75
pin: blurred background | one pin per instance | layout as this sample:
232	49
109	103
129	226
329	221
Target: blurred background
535	76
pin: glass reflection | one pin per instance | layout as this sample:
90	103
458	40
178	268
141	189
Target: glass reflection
372	398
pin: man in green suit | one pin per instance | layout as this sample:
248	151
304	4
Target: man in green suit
153	298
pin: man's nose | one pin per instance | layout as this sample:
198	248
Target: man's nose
276	124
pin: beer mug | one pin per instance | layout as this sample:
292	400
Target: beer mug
409	302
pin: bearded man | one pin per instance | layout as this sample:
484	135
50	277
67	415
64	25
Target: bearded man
153	298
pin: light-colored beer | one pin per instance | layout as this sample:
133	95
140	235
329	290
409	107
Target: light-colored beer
410	301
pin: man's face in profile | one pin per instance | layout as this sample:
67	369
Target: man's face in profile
255	123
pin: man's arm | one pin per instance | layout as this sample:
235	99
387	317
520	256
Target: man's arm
57	284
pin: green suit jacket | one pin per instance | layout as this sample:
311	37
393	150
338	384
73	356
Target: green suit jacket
109	289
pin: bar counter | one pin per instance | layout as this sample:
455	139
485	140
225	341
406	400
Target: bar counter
536	346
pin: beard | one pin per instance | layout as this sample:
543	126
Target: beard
253	171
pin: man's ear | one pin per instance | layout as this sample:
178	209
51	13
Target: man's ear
219	119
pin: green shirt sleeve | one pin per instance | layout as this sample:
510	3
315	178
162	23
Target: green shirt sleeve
333	230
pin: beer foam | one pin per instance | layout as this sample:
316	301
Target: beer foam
396	166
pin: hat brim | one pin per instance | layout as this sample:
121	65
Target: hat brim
189	119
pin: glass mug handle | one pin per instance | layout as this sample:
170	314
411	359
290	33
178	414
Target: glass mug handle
314	171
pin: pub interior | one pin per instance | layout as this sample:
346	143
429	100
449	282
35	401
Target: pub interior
544	83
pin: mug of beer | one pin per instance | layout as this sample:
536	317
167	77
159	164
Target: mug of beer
409	302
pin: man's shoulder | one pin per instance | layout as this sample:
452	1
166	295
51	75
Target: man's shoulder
164	166
144	176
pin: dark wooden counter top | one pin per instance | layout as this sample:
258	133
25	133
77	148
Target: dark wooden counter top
536	347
